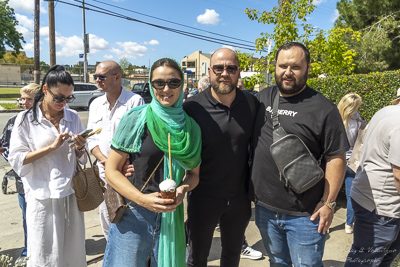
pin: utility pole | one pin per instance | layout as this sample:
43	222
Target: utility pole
52	34
85	44
36	65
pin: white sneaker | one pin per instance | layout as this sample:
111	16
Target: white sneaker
250	253
348	228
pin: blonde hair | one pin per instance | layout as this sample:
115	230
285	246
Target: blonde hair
348	106
31	88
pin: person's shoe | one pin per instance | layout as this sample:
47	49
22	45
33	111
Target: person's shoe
217	228
250	253
348	228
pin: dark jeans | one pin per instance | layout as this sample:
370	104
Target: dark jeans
376	239
204	212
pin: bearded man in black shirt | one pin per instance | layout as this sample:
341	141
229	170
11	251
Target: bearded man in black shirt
224	114
293	226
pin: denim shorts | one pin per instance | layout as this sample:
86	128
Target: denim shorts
133	241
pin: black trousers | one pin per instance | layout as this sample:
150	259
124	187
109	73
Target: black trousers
204	212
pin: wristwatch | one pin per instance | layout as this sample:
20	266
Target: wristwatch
330	205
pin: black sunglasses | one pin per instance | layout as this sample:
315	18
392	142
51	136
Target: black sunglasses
219	69
60	99
172	84
102	77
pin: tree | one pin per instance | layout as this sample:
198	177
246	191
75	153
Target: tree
9	36
18	59
125	64
77	69
379	24
289	19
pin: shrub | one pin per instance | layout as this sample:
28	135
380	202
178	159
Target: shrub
376	89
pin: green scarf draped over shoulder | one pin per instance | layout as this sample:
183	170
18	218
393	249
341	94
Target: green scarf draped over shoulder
185	151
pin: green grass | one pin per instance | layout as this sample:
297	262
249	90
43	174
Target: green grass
9	93
10	106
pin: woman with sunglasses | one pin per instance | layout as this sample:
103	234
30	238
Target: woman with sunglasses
46	163
151	231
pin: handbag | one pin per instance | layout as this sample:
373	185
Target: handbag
88	186
115	203
296	164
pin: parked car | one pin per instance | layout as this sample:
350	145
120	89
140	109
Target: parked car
142	89
84	94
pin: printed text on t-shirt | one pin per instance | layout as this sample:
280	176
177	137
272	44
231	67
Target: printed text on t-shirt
283	111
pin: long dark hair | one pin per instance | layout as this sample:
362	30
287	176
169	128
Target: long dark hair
55	76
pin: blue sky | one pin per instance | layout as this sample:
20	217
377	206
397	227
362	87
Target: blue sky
115	38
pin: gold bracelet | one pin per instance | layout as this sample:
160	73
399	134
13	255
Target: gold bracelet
330	205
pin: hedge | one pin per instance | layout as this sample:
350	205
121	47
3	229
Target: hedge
376	89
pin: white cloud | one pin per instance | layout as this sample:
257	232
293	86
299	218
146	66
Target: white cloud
73	46
335	15
152	42
25	21
108	56
27	6
25	26
317	2
209	17
97	44
44	31
129	50
28	47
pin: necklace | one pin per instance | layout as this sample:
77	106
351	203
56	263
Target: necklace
56	119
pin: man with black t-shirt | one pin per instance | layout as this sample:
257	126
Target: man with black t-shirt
293	226
224	114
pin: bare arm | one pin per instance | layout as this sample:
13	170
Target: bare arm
334	176
116	159
189	182
396	174
98	155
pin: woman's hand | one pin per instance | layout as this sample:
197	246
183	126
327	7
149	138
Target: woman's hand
180	194
79	141
61	138
154	202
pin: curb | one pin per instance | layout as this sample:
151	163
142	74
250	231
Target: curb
10	110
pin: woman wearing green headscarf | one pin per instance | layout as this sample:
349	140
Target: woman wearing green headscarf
151	232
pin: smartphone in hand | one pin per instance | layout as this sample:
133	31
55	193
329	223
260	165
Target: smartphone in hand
84	133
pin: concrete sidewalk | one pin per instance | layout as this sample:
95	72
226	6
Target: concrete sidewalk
11	235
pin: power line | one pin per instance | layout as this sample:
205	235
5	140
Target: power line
189	34
129	10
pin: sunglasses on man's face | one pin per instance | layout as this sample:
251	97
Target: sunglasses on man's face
172	84
219	69
60	99
102	77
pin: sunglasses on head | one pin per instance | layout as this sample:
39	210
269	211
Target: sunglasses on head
172	84
219	69
102	77
60	99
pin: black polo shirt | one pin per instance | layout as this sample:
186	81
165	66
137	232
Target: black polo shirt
226	133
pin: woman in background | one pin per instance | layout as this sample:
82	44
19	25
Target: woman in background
348	108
